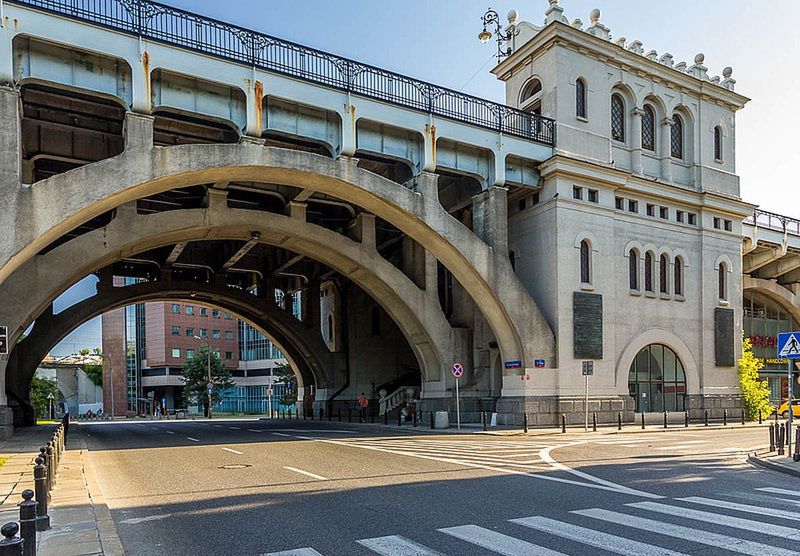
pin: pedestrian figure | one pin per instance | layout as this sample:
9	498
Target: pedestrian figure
363	402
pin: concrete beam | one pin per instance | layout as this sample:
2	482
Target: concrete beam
754	261
782	266
175	253
244	250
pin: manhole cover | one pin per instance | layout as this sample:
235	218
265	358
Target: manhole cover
235	466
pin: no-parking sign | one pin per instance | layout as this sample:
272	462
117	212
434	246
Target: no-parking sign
458	370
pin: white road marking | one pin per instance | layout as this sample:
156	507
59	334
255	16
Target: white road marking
170	432
598	539
395	545
747	508
281	434
727	521
725	542
137	520
774	490
192	439
497	542
318	430
254	430
312	475
235	428
233	451
296	552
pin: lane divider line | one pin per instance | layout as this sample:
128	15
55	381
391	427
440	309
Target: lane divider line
192	439
233	451
308	474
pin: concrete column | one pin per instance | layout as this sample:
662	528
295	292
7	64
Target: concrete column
349	141
413	261
429	151
138	131
636	142
311	306
297	210
10	168
666	150
141	86
255	108
6	53
499	169
363	230
490	218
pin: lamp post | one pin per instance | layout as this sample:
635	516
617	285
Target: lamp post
50	399
208	360
489	19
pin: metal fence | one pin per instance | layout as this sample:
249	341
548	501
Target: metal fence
773	221
172	26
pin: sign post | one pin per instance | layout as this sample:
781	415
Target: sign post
3	340
588	370
789	347
458	370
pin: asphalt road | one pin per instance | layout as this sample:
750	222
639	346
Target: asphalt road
306	488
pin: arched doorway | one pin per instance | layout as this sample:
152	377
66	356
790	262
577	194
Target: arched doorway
657	380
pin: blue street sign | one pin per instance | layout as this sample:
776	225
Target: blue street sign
789	345
458	370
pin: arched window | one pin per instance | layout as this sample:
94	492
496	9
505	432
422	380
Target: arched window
663	268
648	128
678	282
580	98
617	117
376	321
677	137
717	143
722	280
633	269
586	261
530	99
648	272
657	380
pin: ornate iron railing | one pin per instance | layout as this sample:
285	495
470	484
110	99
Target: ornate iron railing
773	221
187	30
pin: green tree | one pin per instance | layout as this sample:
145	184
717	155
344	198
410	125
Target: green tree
754	389
195	377
284	373
40	388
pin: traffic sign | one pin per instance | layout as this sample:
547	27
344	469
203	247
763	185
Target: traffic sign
588	368
3	340
539	363
458	370
789	345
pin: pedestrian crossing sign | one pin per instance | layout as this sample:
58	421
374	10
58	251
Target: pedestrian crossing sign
789	345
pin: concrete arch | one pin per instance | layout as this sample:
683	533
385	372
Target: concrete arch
777	293
60	203
633	244
658	336
415	311
302	346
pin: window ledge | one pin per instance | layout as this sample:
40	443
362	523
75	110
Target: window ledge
719	161
724	303
679	298
665	296
582	119
651	295
587	287
637	293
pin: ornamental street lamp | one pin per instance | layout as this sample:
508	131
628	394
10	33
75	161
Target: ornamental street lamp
489	19
51	408
208	360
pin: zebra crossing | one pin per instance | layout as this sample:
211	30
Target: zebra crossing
666	528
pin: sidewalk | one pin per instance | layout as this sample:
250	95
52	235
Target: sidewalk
81	523
771	460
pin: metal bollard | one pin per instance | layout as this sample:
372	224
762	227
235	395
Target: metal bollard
594	422
483	421
743	416
11	545
525	423
725	417
665	419
686	419
49	460
619	421
760	420
563	423
796	455
433	424
642	420
311	413
705	418
27	523
781	433
40	485
771	437
399	418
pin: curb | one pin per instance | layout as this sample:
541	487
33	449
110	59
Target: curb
755	459
107	531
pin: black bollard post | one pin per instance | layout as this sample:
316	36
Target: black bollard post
665	419
525	422
743	416
399	418
619	421
594	422
40	484
796	455
725	417
50	470
686	419
705	418
27	523
642	420
776	417
483	420
781	432
433	423
771	437
760	420
11	545
563	423
415	418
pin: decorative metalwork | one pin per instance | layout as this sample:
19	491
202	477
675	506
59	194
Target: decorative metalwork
648	128
188	30
677	137
490	18
773	221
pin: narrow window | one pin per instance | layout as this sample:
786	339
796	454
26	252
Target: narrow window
617	118
663	212
633	269
723	281
692	219
580	98
718	143
585	262
663	268
633	206
577	192
648	272
593	196
619	203
679	216
649	128
679	276
677	137
330	328
651	210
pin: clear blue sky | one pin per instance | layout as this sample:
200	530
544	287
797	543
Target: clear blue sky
435	40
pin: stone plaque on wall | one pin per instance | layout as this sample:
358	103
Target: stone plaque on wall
587	325
723	337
